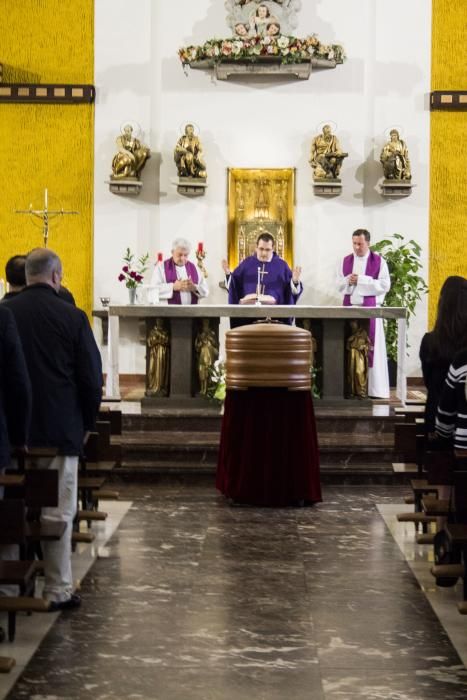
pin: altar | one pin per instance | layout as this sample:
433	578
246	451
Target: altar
182	326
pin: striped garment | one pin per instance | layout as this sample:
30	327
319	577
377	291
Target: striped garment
451	419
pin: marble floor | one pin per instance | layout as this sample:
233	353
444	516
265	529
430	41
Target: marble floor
191	599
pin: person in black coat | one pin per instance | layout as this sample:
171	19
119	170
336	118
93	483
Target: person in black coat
15	410
15	389
66	375
438	348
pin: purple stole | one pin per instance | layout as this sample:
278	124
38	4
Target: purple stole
373	267
171	277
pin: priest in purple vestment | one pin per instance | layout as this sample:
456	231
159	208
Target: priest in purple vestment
178	280
363	278
265	276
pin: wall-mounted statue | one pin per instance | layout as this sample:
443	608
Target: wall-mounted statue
396	166
128	163
189	159
326	159
395	158
262	17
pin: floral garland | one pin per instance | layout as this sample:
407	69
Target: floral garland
288	49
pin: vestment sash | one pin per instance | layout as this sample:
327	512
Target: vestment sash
171	277
373	267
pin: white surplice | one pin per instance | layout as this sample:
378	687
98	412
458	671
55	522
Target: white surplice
166	290
378	377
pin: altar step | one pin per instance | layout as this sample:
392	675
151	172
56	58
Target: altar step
354	448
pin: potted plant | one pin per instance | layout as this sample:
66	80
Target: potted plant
407	286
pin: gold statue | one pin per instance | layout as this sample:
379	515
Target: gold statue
188	155
326	156
158	370
395	158
314	342
207	351
358	347
131	157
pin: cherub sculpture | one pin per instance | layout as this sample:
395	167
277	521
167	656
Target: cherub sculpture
262	17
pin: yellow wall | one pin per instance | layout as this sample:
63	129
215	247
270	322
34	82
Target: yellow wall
49	145
448	201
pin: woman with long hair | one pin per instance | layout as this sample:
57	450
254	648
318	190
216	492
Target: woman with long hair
448	337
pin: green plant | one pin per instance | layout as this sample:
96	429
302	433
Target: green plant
407	286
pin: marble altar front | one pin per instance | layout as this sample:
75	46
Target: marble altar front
183	321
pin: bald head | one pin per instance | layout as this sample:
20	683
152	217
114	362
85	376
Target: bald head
43	266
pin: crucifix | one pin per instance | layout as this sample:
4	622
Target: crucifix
260	287
45	215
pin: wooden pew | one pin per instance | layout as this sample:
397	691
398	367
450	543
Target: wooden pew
13	530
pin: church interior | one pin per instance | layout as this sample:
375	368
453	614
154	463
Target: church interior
267	506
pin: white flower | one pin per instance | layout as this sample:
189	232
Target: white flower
266	40
237	47
283	41
311	50
284	52
216	51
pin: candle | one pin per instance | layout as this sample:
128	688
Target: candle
200	247
159	257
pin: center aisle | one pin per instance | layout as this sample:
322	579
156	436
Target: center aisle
199	600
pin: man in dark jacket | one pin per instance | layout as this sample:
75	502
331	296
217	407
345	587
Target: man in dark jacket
15	409
66	376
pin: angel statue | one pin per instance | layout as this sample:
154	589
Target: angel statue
131	157
262	17
188	155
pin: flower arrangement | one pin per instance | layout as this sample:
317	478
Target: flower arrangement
216	389
133	273
288	49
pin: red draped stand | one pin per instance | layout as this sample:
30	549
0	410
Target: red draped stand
269	449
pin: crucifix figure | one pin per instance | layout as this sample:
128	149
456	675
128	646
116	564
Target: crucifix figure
45	215
261	287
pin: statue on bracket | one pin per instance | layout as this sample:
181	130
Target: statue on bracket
188	156
262	17
128	163
262	41
396	167
326	158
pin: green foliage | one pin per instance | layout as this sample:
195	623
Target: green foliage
407	286
315	389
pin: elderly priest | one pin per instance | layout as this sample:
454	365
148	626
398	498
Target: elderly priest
265	278
177	279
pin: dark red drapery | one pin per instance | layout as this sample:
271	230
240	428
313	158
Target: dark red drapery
269	450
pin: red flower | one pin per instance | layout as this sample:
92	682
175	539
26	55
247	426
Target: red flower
121	277
125	268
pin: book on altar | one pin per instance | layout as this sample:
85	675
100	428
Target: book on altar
265	299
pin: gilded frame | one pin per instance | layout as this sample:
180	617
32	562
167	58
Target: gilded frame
260	199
